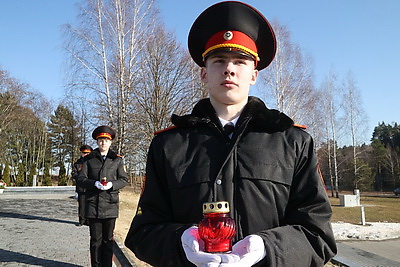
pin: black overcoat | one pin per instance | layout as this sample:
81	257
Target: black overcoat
75	172
267	172
102	204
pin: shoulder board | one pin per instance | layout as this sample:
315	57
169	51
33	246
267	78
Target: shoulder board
165	130
300	126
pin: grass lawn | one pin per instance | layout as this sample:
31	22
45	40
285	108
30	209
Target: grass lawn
377	209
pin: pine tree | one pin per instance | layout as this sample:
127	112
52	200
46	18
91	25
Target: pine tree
7	175
46	181
20	180
64	136
62	179
386	148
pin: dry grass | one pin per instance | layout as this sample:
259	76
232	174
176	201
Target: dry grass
376	208
128	204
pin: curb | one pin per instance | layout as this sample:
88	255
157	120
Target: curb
121	259
344	262
40	190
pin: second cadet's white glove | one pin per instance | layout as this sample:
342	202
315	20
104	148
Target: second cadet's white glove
250	249
98	185
107	186
193	246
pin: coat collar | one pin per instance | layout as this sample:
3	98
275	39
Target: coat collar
259	116
96	154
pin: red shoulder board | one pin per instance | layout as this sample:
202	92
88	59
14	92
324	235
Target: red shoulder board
300	126
164	130
79	167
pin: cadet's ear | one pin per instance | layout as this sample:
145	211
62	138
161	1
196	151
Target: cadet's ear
203	74
254	77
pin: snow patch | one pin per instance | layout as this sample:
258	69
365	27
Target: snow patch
370	231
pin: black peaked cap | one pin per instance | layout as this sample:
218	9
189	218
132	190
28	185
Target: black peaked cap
228	16
104	131
85	148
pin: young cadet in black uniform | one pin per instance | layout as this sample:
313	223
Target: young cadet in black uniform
266	169
80	191
102	200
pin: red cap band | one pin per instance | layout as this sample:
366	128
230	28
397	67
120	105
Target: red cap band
104	135
232	39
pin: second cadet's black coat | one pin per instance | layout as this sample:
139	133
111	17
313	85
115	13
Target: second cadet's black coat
102	204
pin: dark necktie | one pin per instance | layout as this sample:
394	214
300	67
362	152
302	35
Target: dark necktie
228	129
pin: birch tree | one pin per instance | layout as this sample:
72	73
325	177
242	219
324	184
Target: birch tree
168	82
289	79
331	103
11	91
131	72
103	51
356	122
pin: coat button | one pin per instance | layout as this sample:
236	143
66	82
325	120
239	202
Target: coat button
218	181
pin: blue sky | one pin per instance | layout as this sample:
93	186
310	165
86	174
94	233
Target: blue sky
361	36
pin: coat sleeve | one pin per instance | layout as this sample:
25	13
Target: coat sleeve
306	237
75	170
153	236
82	179
122	177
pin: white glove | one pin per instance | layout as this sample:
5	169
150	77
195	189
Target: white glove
98	185
250	249
193	246
107	186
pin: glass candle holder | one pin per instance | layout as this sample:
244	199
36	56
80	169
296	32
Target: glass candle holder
103	181
217	228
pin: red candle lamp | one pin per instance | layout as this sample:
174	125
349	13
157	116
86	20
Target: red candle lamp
217	228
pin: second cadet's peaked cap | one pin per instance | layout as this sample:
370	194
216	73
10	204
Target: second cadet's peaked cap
232	26
86	149
104	131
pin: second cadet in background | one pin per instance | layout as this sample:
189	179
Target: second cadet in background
103	175
80	191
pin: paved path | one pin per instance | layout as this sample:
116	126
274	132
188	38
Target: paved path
369	253
40	230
